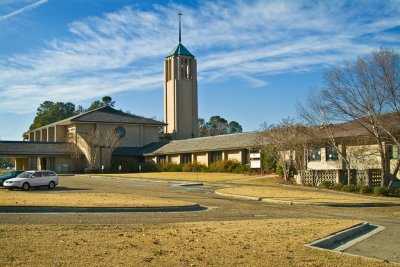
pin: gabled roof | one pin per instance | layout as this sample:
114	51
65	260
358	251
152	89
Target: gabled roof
210	143
180	50
106	115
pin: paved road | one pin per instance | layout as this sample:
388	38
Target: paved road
385	245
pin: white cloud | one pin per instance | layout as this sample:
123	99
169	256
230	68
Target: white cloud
247	40
23	9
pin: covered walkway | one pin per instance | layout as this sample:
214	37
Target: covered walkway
39	155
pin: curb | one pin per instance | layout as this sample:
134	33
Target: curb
316	189
33	209
342	240
288	202
238	196
190	184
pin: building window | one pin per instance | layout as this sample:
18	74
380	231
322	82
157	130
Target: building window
331	153
395	152
216	156
162	159
186	158
314	154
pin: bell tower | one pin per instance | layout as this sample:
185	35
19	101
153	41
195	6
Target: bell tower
180	92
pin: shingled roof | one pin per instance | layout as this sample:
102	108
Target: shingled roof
13	148
354	129
106	115
210	143
137	151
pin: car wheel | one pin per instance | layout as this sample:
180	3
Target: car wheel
25	186
52	185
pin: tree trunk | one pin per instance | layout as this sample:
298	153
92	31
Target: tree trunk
348	175
384	174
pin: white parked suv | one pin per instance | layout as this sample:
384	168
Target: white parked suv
30	179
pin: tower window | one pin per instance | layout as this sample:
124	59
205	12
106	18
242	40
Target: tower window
169	69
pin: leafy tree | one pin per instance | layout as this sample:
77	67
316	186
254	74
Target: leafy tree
49	112
95	105
105	101
234	127
218	126
80	109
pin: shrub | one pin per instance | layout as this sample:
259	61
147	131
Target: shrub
338	186
170	167
325	184
395	191
194	167
350	188
223	166
127	165
88	170
241	169
380	191
279	169
366	189
149	166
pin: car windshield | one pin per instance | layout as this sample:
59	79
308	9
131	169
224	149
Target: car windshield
25	175
9	174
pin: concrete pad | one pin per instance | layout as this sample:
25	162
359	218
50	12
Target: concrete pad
342	240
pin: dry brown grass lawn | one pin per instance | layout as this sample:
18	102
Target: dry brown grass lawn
82	199
298	195
271	242
183	176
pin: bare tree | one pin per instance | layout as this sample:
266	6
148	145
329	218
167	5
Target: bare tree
88	142
363	92
321	130
111	141
75	151
93	142
288	139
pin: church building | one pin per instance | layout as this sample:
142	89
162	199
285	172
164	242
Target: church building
83	141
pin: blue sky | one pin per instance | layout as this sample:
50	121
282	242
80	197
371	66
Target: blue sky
255	59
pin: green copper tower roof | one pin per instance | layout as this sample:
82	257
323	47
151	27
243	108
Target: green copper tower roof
180	50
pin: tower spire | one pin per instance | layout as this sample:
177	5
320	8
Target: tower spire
180	15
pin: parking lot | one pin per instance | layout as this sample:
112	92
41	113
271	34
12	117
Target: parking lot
385	245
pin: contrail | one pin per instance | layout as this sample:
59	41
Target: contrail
23	9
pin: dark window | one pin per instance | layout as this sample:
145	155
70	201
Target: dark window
162	159
216	156
37	174
331	153
186	158
395	152
314	154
